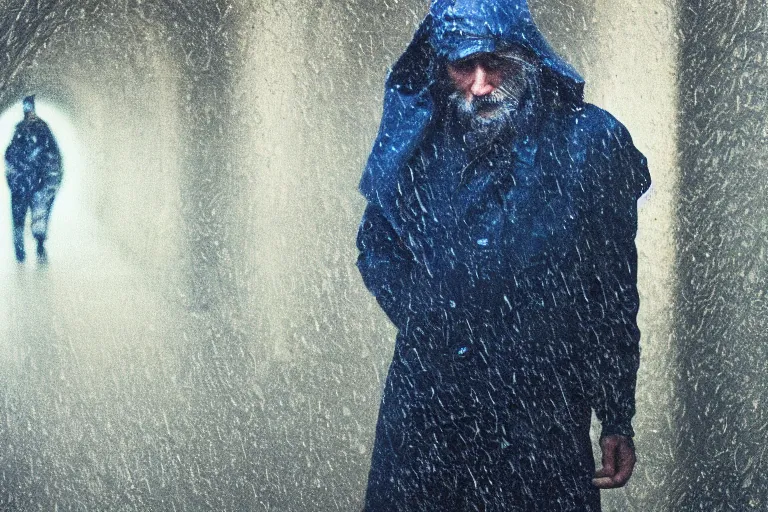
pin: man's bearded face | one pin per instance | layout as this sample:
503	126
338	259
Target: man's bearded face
493	93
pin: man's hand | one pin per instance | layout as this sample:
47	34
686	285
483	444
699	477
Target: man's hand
618	462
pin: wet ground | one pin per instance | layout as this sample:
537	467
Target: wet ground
114	396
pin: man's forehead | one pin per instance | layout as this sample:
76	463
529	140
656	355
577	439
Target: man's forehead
510	53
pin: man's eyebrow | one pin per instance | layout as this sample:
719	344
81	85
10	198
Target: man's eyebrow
467	61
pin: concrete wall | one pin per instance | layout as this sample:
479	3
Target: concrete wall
721	241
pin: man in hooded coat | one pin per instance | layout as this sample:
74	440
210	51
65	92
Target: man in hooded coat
504	254
33	172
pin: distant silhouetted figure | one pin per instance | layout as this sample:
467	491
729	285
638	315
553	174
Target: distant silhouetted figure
33	171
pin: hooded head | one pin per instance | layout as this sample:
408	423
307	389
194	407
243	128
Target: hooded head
462	28
452	30
28	104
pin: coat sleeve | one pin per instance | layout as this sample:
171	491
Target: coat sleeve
621	178
385	264
51	155
48	141
12	151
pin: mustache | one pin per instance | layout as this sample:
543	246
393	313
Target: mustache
497	100
509	95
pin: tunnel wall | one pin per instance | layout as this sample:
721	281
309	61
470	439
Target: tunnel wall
721	240
311	92
134	188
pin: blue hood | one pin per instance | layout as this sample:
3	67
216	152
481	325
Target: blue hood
453	29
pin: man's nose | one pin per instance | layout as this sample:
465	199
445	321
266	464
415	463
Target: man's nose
481	86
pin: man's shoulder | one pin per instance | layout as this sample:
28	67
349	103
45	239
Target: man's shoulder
31	124
41	130
611	151
40	124
593	122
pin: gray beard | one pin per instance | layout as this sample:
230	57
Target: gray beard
503	113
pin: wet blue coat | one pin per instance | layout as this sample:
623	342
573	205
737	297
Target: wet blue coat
33	161
511	277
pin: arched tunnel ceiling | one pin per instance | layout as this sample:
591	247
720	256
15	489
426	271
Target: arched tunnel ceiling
27	27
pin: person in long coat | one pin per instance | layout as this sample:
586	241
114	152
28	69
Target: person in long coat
33	171
498	237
